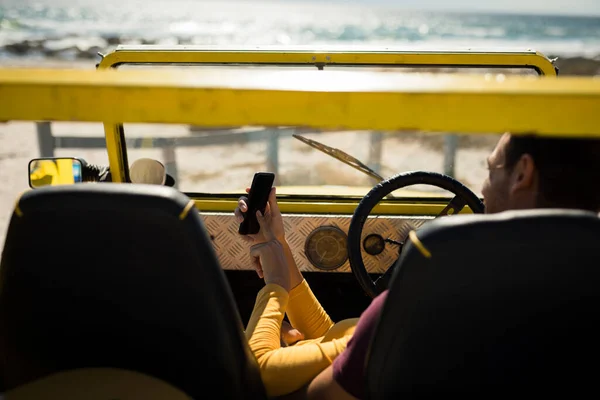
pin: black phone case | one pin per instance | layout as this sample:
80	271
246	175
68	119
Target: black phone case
257	200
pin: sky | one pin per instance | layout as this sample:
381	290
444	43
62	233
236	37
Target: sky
566	7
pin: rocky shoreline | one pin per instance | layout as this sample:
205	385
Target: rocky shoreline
580	66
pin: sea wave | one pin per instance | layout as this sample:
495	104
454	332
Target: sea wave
68	29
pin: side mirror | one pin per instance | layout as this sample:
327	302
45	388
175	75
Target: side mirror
54	171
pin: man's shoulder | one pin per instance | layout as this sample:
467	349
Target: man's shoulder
348	367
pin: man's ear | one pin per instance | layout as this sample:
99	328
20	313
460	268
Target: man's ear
523	174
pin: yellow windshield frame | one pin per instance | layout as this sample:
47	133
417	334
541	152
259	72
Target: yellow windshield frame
326	56
319	57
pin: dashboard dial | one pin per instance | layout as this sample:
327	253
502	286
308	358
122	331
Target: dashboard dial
327	247
374	244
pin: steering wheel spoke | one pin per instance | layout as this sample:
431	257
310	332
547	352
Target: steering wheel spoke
454	207
383	281
463	197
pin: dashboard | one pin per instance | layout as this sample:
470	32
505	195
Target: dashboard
318	241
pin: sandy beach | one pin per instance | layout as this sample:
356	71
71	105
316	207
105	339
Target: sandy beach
230	167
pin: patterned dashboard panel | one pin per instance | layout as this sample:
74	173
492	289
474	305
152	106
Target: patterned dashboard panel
234	254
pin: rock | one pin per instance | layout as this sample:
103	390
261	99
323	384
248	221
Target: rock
579	66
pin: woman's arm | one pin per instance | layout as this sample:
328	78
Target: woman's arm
285	369
304	310
306	313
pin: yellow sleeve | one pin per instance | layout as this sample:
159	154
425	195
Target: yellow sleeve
264	324
306	313
285	369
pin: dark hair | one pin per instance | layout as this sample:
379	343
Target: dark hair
568	169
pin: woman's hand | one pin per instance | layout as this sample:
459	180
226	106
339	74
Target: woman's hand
268	257
274	222
272	217
289	334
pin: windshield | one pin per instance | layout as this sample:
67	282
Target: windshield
308	161
224	160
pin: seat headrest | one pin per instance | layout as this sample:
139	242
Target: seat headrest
486	304
506	218
120	276
97	384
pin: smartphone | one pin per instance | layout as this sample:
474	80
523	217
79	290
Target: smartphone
257	200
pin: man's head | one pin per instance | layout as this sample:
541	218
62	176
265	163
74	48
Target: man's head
539	172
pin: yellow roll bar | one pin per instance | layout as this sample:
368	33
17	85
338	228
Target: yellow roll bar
321	99
326	56
320	57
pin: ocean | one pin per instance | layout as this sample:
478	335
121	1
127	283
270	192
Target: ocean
79	28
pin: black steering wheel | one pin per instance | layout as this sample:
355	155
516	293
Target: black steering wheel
463	196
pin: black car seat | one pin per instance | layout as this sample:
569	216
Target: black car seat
120	277
492	306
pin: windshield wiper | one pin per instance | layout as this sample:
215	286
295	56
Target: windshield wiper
342	156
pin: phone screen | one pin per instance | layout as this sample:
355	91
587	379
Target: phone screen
257	200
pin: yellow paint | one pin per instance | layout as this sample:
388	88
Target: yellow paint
340	206
418	244
321	99
186	210
18	211
273	56
115	149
